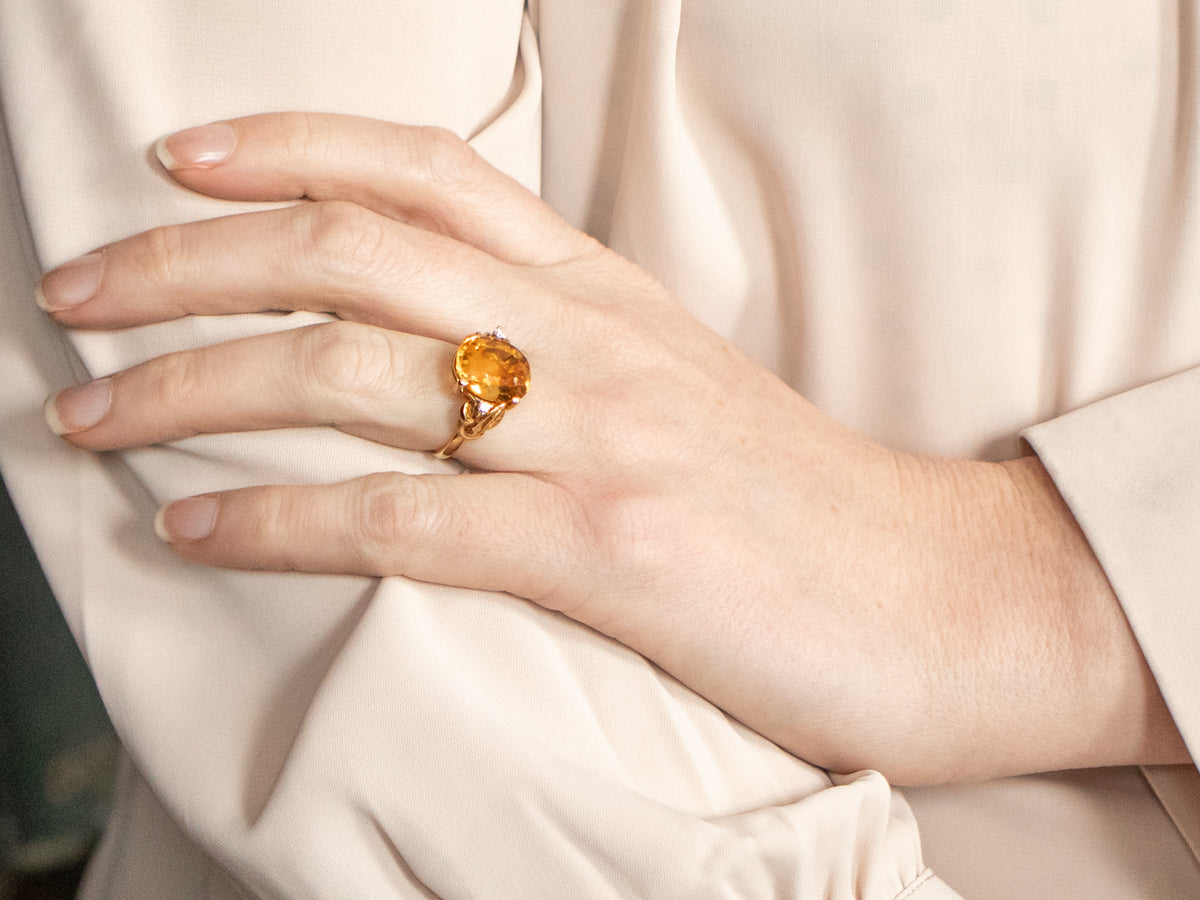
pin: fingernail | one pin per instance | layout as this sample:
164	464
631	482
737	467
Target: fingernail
186	521
196	148
79	407
71	283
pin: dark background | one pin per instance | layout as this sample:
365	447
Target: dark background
57	748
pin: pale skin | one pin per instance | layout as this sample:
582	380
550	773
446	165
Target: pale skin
936	619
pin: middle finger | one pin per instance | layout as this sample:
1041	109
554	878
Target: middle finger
329	256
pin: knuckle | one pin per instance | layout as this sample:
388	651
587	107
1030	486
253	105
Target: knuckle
565	527
388	512
635	536
346	359
615	547
623	530
161	255
343	242
444	158
307	135
180	378
275	515
280	516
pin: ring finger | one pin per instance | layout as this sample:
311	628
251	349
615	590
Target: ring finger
387	386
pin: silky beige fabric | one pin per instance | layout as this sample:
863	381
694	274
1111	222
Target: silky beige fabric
944	223
341	737
941	223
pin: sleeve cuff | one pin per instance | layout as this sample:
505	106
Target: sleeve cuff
1129	469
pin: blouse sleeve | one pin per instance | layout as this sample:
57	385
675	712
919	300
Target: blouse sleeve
1129	469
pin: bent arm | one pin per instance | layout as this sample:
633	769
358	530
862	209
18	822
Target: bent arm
342	736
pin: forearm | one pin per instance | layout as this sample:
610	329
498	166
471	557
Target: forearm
943	620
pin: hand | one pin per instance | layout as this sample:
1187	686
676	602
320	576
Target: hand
934	619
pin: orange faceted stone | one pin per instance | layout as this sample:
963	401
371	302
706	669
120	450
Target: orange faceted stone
492	370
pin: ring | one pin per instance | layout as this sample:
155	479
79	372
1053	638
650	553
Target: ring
493	376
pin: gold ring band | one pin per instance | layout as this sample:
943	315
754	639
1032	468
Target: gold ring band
493	376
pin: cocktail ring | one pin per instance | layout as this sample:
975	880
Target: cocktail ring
492	375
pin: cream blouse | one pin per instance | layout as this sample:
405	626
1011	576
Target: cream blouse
942	222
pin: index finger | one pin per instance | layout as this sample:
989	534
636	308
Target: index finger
426	176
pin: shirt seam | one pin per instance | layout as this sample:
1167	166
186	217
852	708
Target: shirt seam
922	879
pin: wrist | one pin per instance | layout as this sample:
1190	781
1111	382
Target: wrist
1110	694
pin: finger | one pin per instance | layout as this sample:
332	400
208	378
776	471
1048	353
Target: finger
394	385
386	386
501	532
427	176
323	257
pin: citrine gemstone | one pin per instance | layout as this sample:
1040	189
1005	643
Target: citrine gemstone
491	369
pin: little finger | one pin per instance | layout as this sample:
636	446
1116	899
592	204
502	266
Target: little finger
495	531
